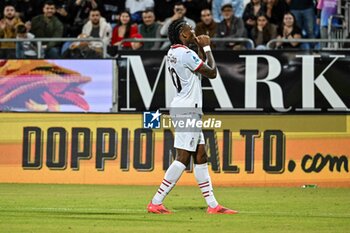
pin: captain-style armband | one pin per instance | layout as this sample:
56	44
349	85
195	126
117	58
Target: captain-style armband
207	48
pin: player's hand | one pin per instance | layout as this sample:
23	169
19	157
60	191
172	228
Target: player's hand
202	40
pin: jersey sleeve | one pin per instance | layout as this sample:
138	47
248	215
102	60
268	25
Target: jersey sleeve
191	60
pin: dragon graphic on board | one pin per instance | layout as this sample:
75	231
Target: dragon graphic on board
38	85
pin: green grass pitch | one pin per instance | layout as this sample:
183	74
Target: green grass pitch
99	208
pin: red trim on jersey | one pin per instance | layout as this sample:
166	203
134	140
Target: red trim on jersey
178	46
199	66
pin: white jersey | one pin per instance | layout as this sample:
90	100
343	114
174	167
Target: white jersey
183	64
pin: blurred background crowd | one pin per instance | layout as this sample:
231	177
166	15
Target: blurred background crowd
112	21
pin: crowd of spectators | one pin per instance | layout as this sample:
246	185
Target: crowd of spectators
114	20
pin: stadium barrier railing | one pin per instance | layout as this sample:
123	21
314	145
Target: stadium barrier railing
250	44
271	43
39	42
247	41
336	30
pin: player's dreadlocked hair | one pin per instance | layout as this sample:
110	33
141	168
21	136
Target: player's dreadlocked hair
174	31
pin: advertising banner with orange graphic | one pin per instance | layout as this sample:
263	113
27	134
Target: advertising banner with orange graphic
56	85
247	150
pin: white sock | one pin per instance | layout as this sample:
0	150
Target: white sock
201	173
172	175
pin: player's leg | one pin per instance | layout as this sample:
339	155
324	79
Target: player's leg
201	173
173	173
202	176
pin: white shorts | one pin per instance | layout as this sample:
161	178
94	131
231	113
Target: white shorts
188	138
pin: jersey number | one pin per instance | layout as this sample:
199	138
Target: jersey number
176	80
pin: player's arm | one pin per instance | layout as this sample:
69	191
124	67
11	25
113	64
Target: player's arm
208	70
201	53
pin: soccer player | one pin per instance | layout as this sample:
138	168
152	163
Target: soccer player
185	67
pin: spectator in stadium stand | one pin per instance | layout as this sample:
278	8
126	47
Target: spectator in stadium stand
125	29
325	9
47	25
4	3
194	8
112	9
237	6
136	7
230	27
304	12
25	49
150	29
79	10
164	9
288	30
207	25
179	12
97	27
275	10
251	11
63	14
8	26
31	8
263	32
